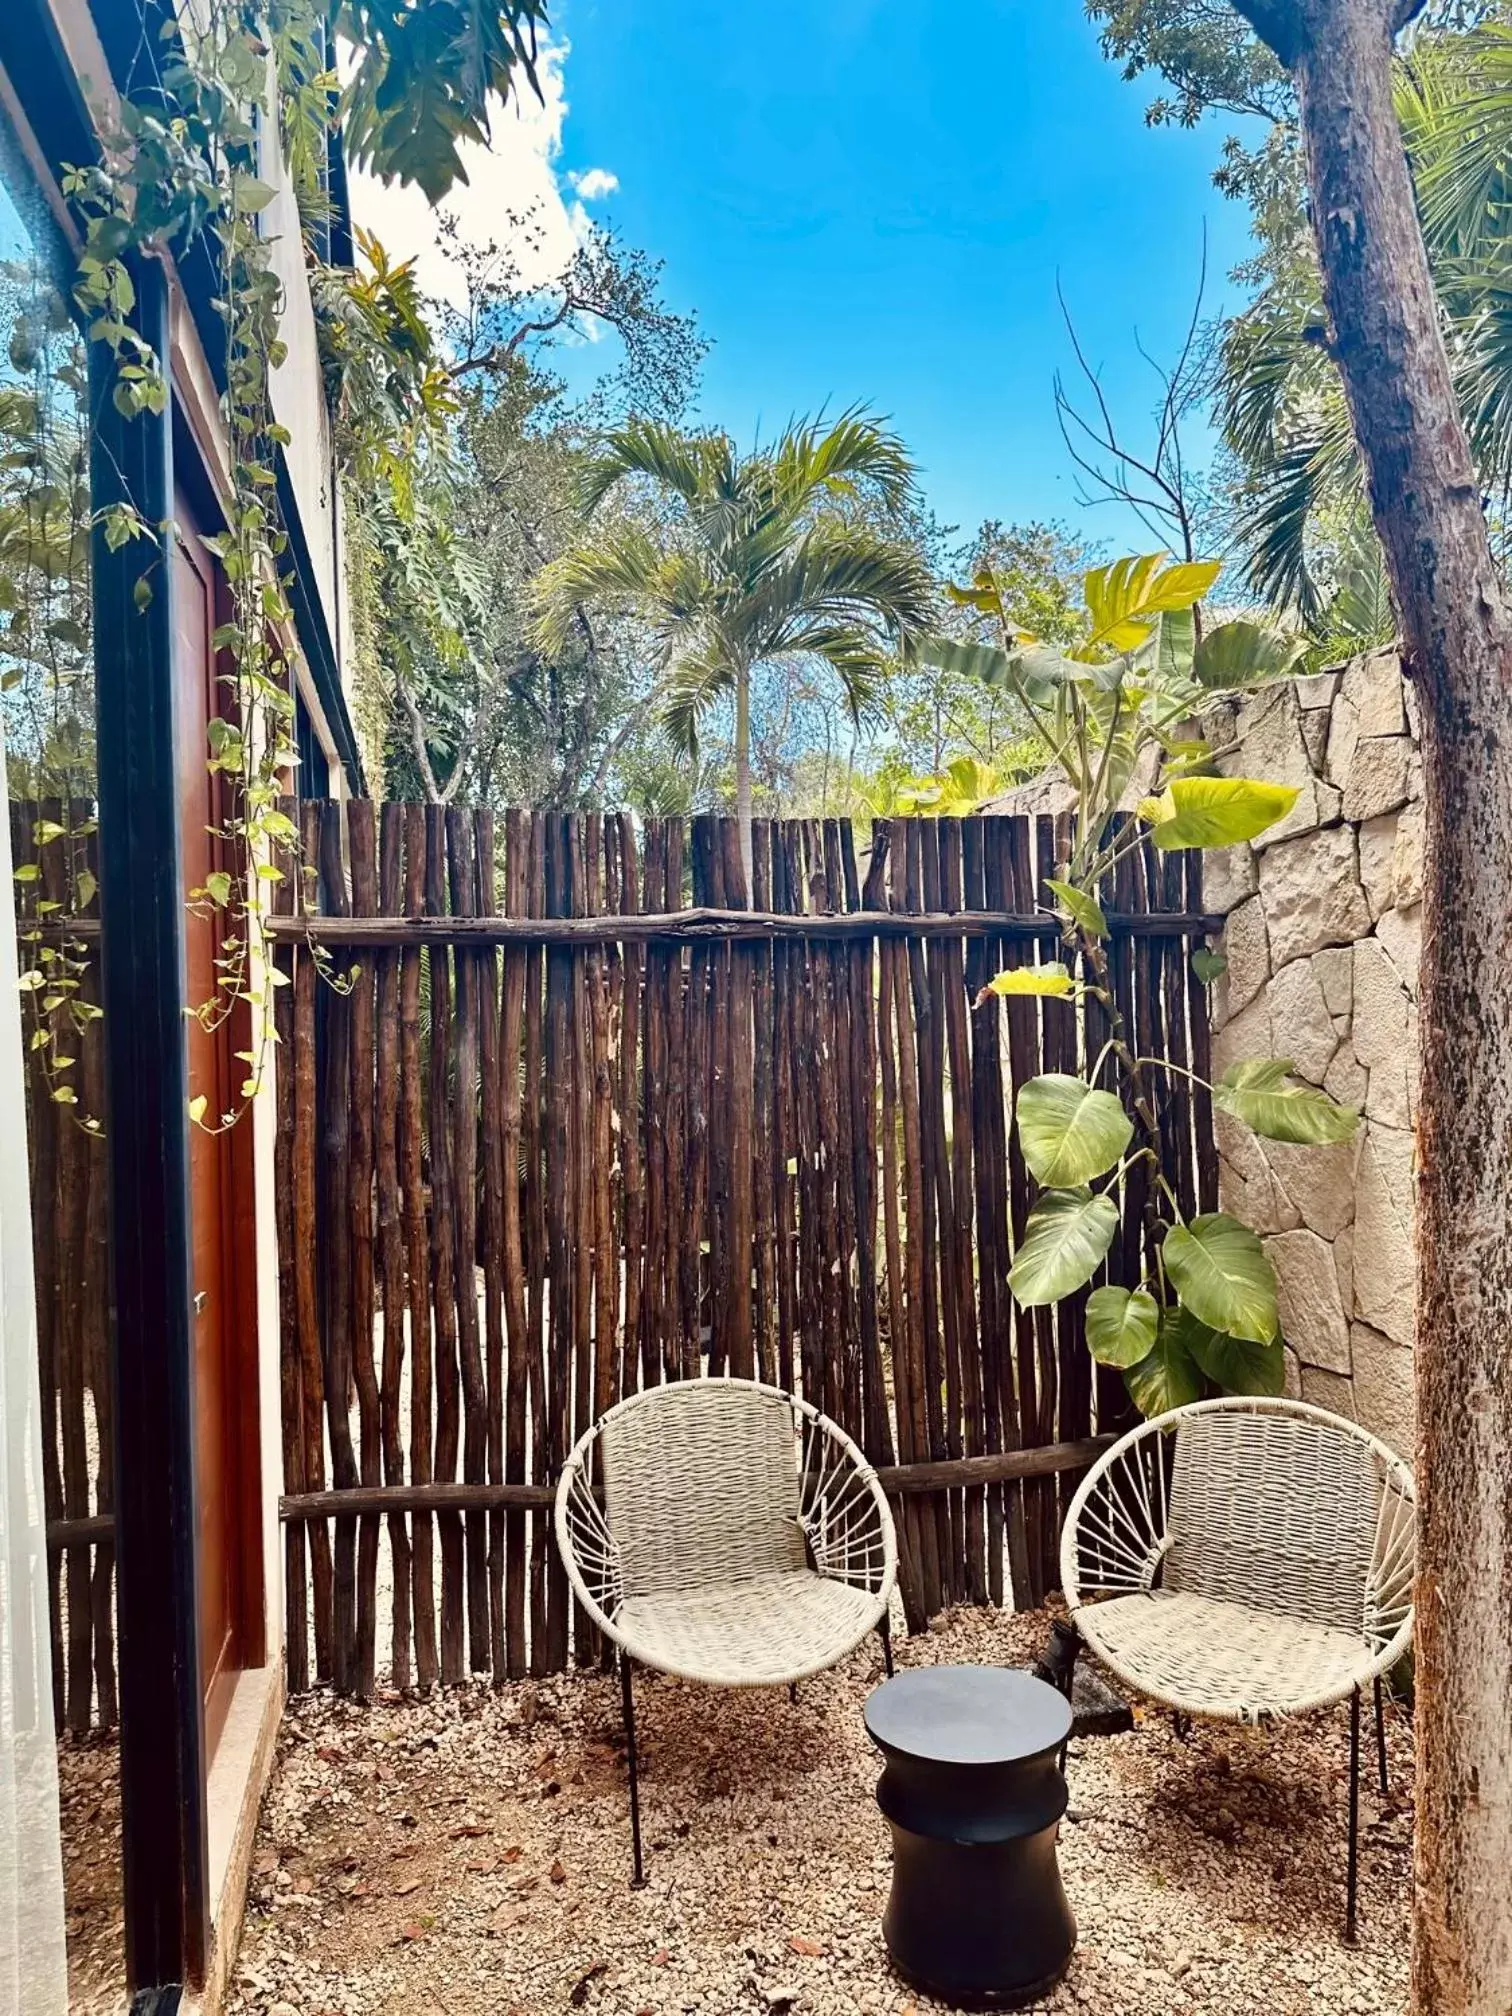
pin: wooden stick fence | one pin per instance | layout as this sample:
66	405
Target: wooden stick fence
582	1112
57	922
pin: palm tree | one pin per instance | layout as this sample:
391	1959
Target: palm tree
775	555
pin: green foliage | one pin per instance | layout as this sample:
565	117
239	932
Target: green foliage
1070	1132
1114	698
1066	1238
1221	1273
1122	1325
1259	1093
760	560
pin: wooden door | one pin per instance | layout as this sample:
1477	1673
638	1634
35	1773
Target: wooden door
220	1172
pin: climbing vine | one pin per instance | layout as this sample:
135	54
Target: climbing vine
181	166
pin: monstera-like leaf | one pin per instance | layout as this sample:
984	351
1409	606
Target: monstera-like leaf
1239	654
1167	1376
1068	1131
1257	1092
1215	811
1234	1364
1066	1236
1122	1325
1220	1271
1124	599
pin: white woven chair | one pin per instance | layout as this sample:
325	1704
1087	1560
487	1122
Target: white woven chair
725	1532
1247	1559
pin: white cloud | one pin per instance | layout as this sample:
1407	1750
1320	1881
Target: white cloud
514	195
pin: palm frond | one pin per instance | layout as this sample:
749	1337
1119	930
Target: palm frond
852	652
857	451
651	448
624	568
845	572
698	679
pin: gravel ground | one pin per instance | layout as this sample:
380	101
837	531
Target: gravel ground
468	1855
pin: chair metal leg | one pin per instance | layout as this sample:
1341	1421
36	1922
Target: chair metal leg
1380	1719
628	1705
885	1630
1353	1886
793	1692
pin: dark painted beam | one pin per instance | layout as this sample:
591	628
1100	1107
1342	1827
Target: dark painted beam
147	1141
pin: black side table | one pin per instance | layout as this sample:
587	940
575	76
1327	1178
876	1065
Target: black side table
973	1791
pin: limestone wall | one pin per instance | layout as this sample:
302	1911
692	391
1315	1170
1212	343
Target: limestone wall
1322	943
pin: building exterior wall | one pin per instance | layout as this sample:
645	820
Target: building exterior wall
1324	924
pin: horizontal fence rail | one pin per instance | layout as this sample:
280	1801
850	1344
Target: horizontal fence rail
564	1109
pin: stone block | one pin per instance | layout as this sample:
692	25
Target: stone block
1292	1374
1347	1079
1311	891
1385	1391
1385	1274
1335	971
1229	875
1318	1183
1247	1034
1401	934
1272	746
1407	858
1378	776
1315	739
1378	841
1373	685
1332	1391
1344	1261
1343	735
1317	691
1380	1007
1301	1026
1248	949
1257	1201
1313	1321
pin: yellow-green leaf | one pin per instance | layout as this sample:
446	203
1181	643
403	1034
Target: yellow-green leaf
1082	909
1215	811
1051	980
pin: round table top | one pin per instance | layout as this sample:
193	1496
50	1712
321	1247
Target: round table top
967	1715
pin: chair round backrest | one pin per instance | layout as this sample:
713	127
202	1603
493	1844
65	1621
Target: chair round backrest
1269	1503
709	1482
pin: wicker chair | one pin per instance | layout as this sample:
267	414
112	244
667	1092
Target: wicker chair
726	1532
1247	1559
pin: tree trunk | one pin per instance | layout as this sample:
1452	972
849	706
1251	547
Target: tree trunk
1458	637
743	771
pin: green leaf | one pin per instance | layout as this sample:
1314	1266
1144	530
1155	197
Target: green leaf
1175	645
1082	909
251	195
1066	1236
1234	1364
1258	1092
1222	1275
218	887
1068	1131
1051	980
1209	965
1123	598
1240	654
1122	1325
1168	1377
1215	811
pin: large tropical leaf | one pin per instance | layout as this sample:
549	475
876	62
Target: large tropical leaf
1234	1364
1167	1376
1220	1271
1082	909
1215	811
1258	1091
1050	980
1068	1131
1124	598
1066	1237
1240	654
1122	1325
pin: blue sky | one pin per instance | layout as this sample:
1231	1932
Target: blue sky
866	200
870	201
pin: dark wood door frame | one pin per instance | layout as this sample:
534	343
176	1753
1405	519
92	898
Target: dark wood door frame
163	1818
